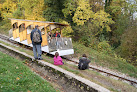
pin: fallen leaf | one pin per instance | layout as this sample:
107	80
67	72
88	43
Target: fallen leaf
17	78
20	73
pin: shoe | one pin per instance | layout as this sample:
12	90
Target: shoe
35	58
40	58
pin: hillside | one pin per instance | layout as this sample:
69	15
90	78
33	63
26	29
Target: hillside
97	58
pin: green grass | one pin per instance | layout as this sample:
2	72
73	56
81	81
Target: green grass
97	58
16	77
105	60
88	74
5	26
73	71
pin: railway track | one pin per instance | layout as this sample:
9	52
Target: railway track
132	82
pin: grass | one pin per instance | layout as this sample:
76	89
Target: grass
5	26
111	84
73	71
95	57
105	60
98	59
88	74
16	77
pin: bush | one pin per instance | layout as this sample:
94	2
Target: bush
105	47
89	42
128	47
5	26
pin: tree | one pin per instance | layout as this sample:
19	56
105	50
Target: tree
101	22
66	31
96	5
7	8
128	46
121	12
69	9
83	12
33	9
107	4
0	12
53	10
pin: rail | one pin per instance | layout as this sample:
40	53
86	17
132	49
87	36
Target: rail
98	70
67	80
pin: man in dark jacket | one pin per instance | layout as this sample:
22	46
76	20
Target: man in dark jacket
36	46
58	40
83	62
56	34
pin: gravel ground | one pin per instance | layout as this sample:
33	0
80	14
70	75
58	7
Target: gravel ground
110	71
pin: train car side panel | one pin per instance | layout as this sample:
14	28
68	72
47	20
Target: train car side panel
44	40
21	36
25	34
28	39
17	33
14	34
44	37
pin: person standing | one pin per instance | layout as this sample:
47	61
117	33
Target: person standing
83	62
36	39
56	34
49	35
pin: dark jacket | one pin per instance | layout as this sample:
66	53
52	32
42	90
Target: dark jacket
31	36
56	35
83	63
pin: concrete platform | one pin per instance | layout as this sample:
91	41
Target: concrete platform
81	83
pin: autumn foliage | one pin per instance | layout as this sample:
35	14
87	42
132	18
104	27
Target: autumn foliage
92	22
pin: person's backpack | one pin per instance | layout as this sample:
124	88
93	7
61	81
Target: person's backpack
36	37
83	65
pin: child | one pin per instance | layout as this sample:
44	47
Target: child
57	59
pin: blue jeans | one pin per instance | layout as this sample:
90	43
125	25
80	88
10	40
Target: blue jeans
37	49
58	44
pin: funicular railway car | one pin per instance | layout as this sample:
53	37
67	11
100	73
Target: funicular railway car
21	30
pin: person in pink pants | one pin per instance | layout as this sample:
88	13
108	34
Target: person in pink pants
57	59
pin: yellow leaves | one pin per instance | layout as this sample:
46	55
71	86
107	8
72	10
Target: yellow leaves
69	8
105	47
117	7
101	20
67	30
8	8
9	5
33	11
119	57
17	78
0	6
83	13
28	91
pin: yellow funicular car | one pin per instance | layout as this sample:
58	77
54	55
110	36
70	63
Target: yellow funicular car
21	30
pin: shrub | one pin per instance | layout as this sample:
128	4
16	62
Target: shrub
105	47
